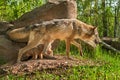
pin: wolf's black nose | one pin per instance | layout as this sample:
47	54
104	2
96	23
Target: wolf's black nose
96	41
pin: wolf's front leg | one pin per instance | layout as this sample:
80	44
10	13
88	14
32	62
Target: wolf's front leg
78	46
67	41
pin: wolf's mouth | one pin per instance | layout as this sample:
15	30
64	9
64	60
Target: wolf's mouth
92	44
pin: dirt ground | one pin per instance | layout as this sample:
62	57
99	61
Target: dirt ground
31	66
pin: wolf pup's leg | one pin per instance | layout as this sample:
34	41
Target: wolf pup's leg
35	54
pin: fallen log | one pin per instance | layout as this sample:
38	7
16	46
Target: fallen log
111	44
110	47
114	42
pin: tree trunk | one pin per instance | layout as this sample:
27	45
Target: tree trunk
104	19
115	22
118	19
96	13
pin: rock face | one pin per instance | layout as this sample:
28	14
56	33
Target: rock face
4	26
8	52
8	48
51	10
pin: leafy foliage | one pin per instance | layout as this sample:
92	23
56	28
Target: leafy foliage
93	12
12	9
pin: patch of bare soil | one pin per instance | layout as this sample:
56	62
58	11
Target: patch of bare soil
31	66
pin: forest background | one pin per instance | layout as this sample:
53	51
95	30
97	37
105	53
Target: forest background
104	14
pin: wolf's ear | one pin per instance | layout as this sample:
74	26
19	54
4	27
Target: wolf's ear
94	28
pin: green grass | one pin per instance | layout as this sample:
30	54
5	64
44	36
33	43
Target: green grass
109	70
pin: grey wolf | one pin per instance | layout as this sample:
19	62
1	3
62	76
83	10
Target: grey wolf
48	31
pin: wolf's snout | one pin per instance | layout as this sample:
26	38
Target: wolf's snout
96	41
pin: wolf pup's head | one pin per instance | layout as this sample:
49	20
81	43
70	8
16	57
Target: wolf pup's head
88	34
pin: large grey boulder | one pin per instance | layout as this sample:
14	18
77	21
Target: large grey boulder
8	52
54	9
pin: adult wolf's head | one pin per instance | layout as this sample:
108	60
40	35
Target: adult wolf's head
92	37
88	33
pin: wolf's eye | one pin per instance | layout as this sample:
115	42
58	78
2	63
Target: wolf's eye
90	33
